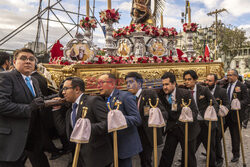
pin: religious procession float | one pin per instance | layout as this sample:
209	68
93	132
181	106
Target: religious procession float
141	47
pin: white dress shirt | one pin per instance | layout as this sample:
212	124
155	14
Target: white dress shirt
77	102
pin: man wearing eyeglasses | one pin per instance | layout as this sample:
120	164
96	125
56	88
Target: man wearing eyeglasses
98	152
237	88
20	101
129	143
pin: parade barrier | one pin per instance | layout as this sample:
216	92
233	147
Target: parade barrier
116	121
81	134
210	115
155	120
235	105
223	111
186	116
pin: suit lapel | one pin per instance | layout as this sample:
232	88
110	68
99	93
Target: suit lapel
82	103
216	92
36	87
114	97
198	94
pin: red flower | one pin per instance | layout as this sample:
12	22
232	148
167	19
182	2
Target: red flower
86	18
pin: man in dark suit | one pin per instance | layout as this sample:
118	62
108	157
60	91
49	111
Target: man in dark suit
202	97
219	94
171	97
129	143
4	61
98	152
240	90
134	82
20	128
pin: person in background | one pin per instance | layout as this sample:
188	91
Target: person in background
134	82
4	61
220	94
129	143
20	102
202	97
171	97
235	87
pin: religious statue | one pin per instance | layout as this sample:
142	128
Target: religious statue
141	11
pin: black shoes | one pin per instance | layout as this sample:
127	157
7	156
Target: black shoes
235	159
219	164
55	155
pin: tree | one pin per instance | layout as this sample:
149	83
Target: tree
229	40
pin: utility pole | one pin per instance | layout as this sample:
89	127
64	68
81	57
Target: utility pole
216	12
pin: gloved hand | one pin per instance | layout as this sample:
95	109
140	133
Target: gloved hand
37	103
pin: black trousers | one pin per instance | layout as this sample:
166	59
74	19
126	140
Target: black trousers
37	159
172	139
146	154
203	138
235	136
218	145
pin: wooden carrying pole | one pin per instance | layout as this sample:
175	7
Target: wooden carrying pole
115	145
223	137
209	138
78	145
241	141
155	135
186	134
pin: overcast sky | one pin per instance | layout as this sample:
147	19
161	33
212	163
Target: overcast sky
14	13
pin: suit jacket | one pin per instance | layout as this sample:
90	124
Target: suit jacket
143	101
42	83
16	118
98	152
220	94
203	97
173	116
243	98
129	143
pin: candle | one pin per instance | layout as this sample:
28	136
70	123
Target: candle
109	4
161	20
189	14
87	8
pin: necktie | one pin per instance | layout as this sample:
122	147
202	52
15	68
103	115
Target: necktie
170	99
229	92
74	114
108	100
27	79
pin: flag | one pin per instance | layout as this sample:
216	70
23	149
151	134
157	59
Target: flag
207	52
179	52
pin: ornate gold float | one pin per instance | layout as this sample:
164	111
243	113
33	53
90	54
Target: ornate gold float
150	72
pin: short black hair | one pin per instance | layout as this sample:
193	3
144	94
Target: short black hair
215	77
76	81
192	73
235	71
169	75
136	76
22	50
112	76
3	57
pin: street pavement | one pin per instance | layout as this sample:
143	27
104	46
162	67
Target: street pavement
201	160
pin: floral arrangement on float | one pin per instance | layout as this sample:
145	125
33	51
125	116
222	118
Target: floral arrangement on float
109	15
148	29
99	59
190	27
87	23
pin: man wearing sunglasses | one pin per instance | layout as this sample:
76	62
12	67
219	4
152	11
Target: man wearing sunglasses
20	101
